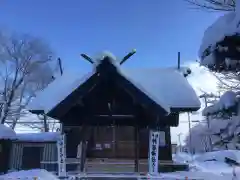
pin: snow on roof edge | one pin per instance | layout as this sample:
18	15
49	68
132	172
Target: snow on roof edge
38	137
172	73
37	105
7	133
159	102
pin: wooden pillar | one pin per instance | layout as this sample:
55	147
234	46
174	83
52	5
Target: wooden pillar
165	148
114	140
136	140
85	131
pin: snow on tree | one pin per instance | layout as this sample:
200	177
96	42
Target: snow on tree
198	142
219	50
218	5
226	104
224	125
25	67
220	53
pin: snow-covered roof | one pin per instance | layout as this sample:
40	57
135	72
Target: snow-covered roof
167	87
226	25
56	92
7	133
39	137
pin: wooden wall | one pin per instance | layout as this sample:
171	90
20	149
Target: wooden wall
117	142
5	147
22	159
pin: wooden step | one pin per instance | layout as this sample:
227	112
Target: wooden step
119	165
114	165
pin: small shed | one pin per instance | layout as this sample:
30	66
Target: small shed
31	150
7	136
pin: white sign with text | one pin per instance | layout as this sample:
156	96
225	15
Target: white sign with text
61	156
153	152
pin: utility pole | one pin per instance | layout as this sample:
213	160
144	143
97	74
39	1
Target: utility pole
208	123
190	134
206	96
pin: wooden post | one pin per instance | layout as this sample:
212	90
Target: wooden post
60	66
113	144
179	60
136	139
85	130
46	129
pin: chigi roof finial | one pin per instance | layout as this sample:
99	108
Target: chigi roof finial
128	56
125	58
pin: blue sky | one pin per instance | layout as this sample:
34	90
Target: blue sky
157	29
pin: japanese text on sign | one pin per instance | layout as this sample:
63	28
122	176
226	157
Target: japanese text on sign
61	156
154	148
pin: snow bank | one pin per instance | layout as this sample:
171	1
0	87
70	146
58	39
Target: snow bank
219	156
182	157
192	175
227	100
7	132
41	174
39	137
201	167
167	87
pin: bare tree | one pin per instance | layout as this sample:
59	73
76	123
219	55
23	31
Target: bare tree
199	141
24	69
228	81
217	5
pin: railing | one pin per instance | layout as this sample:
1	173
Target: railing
72	164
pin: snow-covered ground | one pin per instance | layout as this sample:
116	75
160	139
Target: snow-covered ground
206	166
211	164
36	174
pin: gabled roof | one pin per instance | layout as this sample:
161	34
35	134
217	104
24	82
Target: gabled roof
166	87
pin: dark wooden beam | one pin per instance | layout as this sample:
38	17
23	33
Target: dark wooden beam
136	139
119	116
